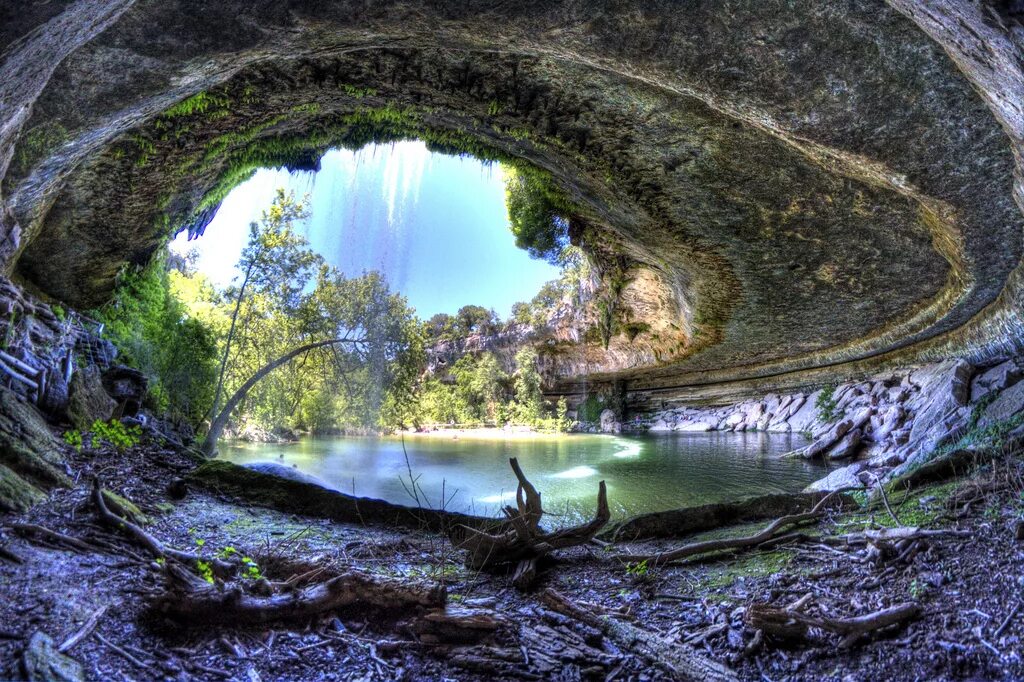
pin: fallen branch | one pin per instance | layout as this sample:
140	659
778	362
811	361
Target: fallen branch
148	541
124	654
524	544
29	529
768	533
680	661
85	630
791	624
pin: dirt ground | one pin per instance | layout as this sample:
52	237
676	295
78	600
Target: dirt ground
969	588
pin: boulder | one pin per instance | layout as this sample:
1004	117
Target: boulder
805	418
827	438
945	387
1009	404
886	421
88	401
660	426
127	386
286	472
695	426
608	422
31	458
994	379
42	662
845	477
847	447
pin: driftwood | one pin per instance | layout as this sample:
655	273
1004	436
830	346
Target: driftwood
524	544
790	623
679	661
770	532
216	604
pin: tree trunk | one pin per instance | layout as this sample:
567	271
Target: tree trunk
220	421
231	334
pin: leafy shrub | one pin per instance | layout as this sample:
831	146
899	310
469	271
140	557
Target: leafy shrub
827	405
74	439
115	434
590	409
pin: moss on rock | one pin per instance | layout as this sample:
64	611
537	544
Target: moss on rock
31	458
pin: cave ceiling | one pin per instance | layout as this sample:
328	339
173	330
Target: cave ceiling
794	185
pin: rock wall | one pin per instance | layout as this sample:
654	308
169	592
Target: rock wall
882	425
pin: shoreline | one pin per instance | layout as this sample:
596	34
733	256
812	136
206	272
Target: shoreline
486	433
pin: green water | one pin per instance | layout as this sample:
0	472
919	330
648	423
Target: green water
643	474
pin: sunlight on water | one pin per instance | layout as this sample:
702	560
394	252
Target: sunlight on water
629	448
576	472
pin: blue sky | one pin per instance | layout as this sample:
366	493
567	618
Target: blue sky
435	225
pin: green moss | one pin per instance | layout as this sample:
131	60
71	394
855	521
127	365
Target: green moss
199	103
17	494
124	507
36	144
758	565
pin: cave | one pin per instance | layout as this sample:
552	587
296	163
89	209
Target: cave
802	218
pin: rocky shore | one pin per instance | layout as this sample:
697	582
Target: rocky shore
883	426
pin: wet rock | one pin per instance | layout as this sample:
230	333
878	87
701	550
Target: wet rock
42	662
88	401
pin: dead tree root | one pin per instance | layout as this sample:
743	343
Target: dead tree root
525	543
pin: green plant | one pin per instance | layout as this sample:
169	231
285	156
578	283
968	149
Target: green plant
637	569
590	409
74	439
59	312
250	569
115	433
205	570
827	405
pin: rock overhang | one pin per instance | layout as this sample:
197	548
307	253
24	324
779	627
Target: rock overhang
801	185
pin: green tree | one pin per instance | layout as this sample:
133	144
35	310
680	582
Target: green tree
529	401
475	319
536	212
275	266
154	333
480	382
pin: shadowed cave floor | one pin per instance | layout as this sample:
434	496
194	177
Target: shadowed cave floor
969	589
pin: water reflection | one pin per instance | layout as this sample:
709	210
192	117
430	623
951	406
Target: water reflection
643	474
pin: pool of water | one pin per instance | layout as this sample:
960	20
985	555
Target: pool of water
643	474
